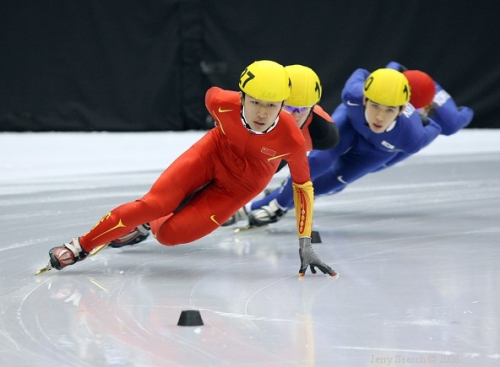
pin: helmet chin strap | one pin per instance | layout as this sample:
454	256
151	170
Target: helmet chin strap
247	126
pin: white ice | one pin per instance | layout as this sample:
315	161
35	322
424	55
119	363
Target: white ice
416	247
39	155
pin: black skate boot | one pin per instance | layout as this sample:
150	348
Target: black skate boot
138	234
67	254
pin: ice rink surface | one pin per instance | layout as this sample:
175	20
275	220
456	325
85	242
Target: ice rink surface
416	246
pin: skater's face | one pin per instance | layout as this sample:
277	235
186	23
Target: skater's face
259	114
300	114
379	116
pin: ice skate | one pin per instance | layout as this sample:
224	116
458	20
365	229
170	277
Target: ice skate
266	214
241	214
138	234
247	227
65	255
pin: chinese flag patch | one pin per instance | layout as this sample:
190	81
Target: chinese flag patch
268	151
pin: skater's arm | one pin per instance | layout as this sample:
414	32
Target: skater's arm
303	197
323	131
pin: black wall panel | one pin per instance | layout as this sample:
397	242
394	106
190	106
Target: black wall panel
123	65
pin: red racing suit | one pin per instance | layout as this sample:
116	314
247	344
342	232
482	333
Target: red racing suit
223	171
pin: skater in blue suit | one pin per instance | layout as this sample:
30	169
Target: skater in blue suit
378	128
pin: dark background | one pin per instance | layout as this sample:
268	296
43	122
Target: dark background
123	65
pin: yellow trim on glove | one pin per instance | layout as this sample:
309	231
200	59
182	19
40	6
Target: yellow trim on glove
303	198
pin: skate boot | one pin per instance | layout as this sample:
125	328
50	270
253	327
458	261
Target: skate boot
267	214
67	254
138	234
241	214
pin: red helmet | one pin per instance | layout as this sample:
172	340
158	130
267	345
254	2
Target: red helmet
422	88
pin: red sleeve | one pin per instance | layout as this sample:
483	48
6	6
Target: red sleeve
297	160
210	96
217	97
320	111
220	101
299	166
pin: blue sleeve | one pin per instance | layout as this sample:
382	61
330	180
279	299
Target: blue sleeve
353	89
429	132
396	66
432	130
340	115
446	113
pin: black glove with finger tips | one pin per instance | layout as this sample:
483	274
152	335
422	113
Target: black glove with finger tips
309	258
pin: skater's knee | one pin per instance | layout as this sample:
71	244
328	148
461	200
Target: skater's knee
166	239
172	235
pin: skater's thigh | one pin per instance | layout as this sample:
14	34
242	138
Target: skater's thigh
203	214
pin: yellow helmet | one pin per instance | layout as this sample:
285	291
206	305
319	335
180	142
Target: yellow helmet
388	87
265	80
306	87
